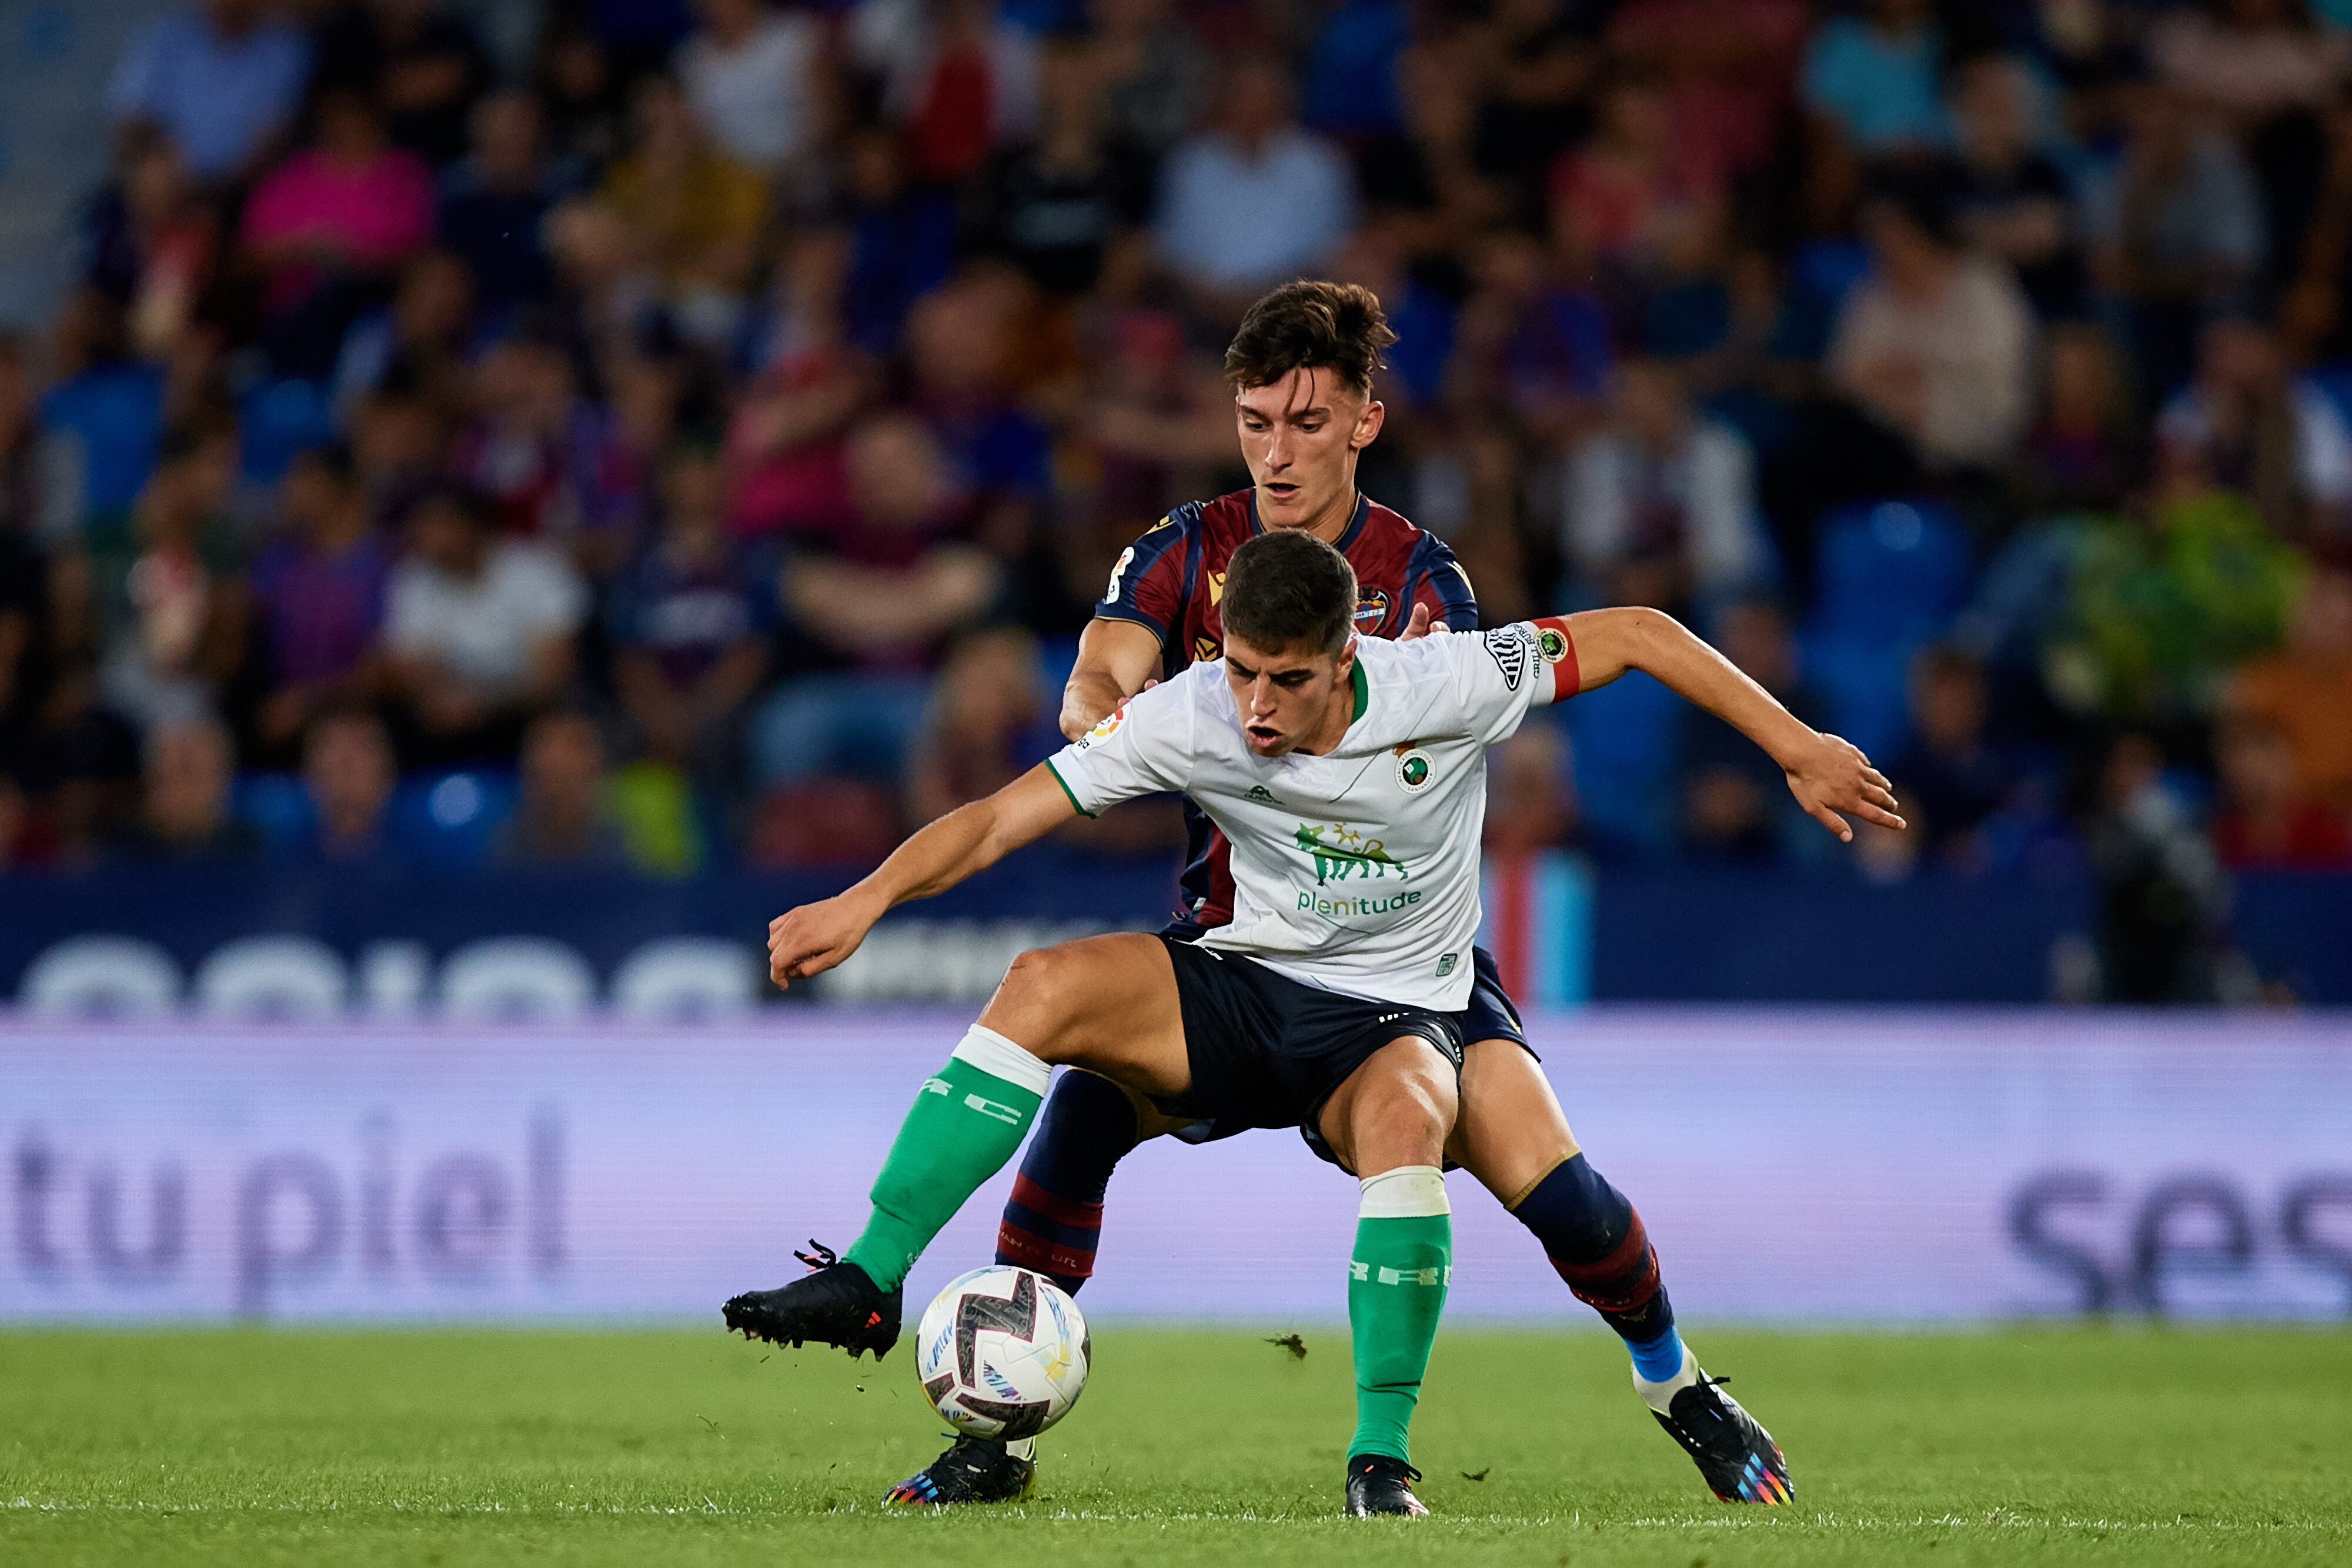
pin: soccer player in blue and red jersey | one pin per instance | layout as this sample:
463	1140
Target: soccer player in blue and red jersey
1302	366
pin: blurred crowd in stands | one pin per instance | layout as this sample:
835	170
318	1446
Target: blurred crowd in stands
705	439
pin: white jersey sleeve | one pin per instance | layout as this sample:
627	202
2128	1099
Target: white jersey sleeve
1143	747
1497	675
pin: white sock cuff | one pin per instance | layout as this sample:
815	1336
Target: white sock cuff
1001	1058
1408	1191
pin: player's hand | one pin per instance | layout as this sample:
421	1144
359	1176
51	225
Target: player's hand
1421	624
1833	776
815	936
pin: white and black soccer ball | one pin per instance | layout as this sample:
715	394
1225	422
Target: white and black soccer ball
1003	1353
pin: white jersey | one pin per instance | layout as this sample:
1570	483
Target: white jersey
1356	871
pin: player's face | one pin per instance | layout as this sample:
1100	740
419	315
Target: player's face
1300	436
1289	697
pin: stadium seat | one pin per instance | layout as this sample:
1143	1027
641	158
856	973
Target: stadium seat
1623	738
1889	577
450	820
1890	570
1820	274
277	804
280	417
1866	686
2335	381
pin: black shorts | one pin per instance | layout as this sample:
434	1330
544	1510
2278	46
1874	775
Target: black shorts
1489	1014
1268	1052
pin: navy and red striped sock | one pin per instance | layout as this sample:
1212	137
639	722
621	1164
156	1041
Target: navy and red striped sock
1596	1242
1053	1223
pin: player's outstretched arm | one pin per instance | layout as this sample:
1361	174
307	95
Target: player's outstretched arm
814	938
1828	776
1116	659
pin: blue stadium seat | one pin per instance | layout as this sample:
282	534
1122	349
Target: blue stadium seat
2335	381
277	804
1889	577
1820	275
1890	571
280	418
1866	686
451	818
1624	736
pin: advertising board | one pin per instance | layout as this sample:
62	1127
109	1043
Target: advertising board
1851	1165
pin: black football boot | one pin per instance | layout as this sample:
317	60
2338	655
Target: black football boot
1737	1457
834	1303
973	1469
1378	1484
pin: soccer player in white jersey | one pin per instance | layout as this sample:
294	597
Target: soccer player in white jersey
1350	777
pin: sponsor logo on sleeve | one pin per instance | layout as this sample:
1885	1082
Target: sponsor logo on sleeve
1507	646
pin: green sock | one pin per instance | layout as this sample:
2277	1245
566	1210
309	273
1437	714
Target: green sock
1396	1289
967	1122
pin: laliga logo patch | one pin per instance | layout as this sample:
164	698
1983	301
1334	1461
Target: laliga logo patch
1552	644
1371	610
1414	770
1106	729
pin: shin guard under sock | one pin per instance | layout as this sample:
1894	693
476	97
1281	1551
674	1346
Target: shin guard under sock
1396	1290
965	1124
1053	1221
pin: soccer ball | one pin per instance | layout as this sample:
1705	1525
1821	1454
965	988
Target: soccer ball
1003	1353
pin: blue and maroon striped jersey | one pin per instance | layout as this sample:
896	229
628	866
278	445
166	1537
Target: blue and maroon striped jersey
1173	578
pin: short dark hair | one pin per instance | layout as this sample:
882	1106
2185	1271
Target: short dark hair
1310	325
1288	588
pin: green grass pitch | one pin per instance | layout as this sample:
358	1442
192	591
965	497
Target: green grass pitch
682	1447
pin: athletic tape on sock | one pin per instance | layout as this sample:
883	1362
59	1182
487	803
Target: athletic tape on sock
1408	1191
1001	1058
1660	1397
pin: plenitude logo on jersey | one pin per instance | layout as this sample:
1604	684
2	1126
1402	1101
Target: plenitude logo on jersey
1341	853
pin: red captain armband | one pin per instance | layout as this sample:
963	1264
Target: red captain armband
1557	649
